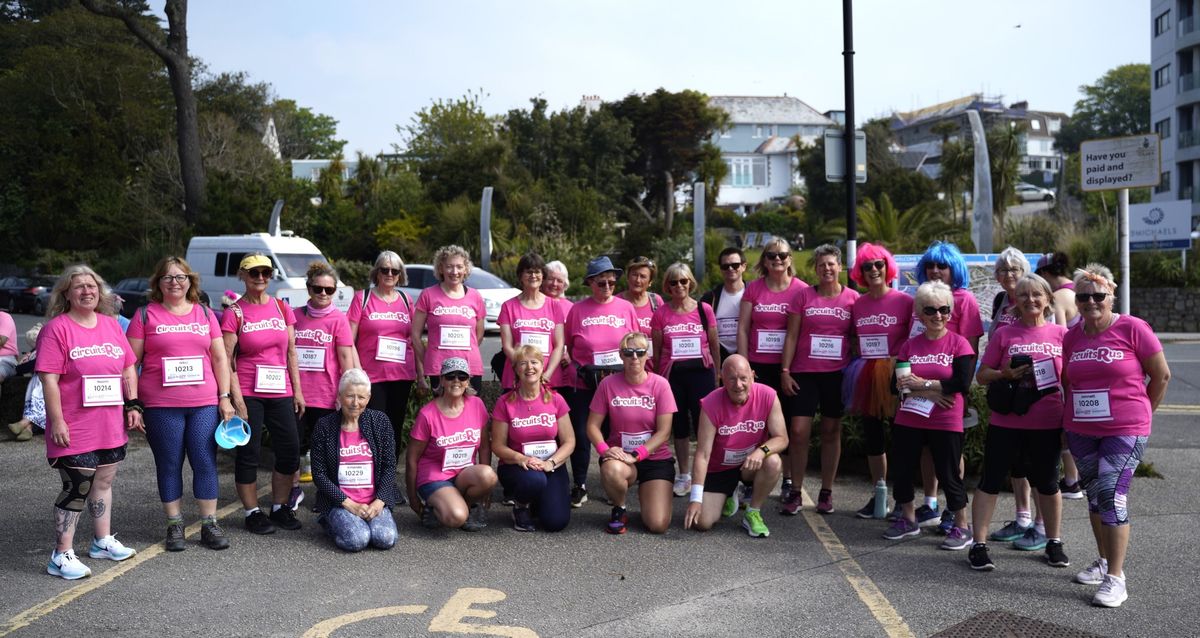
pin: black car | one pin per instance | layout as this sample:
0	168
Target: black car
19	294
135	293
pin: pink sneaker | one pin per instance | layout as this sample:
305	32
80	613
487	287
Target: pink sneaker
825	502
792	504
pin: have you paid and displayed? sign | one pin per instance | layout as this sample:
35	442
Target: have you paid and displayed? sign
1120	162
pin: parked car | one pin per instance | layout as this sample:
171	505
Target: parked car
18	294
494	290
1031	193
135	293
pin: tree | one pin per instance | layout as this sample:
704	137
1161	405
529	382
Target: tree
454	147
303	133
173	51
907	231
1117	104
1006	145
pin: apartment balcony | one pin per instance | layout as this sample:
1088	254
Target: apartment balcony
1186	26
1187	82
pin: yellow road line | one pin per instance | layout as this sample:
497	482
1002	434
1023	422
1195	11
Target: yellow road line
1177	408
92	583
885	614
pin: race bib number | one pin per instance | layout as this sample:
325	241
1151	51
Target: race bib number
737	457
102	390
1044	374
825	347
540	449
539	340
727	328
457	458
311	358
873	346
685	348
183	371
1092	405
631	442
918	405
918	328
610	358
391	349
356	474
771	341
455	338
270	379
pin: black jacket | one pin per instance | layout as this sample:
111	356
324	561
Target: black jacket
376	429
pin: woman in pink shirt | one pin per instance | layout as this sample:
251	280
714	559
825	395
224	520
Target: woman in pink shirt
639	406
449	475
815	351
185	386
89	378
454	315
1055	268
639	277
554	284
530	318
1109	408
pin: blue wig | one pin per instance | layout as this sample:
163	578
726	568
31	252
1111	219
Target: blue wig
940	252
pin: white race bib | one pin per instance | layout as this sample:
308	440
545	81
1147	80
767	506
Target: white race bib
391	349
102	390
1045	374
270	379
771	341
457	458
455	338
540	449
737	457
311	358
360	474
873	346
917	405
183	371
1092	405
610	358
685	348
727	328
631	442
539	340
825	347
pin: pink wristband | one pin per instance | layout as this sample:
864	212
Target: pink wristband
601	447
641	453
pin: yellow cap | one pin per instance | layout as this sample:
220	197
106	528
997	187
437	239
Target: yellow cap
255	261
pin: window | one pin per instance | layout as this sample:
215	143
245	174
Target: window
1165	185
1035	124
1163	128
1162	23
746	172
219	270
1054	125
314	174
1162	76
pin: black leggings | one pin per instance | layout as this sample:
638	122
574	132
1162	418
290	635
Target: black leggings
280	420
873	434
689	386
391	398
1036	451
580	403
946	447
308	423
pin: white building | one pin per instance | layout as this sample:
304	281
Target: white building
1175	97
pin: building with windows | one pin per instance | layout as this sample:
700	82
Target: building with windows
1175	97
760	146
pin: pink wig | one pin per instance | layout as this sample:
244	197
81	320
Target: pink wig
871	252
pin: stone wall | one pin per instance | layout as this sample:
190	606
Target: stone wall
1167	309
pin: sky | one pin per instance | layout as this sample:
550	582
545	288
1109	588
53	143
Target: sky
372	65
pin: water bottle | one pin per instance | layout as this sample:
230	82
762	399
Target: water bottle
903	369
881	499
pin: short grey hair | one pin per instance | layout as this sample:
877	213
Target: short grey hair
1012	258
559	268
933	293
824	250
354	377
1035	281
388	259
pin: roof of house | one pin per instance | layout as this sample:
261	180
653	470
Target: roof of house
768	110
947	109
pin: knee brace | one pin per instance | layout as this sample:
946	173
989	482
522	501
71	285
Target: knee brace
77	483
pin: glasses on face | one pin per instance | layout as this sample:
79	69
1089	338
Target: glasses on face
260	273
316	290
868	266
532	273
166	279
772	255
1007	271
938	265
456	376
604	283
732	265
931	311
1094	297
633	352
390	272
679	282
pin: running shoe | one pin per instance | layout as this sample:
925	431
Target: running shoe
753	523
825	502
523	519
1111	593
295	498
896	514
731	505
174	542
747	493
868	510
902	528
1094	574
258	523
957	538
785	489
65	565
947	523
979	558
683	484
429	519
1011	531
1070	491
578	496
111	548
927	516
1055	556
618	521
285	518
213	537
1031	541
476	519
792	505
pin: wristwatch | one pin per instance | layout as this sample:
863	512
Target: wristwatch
928	384
766	451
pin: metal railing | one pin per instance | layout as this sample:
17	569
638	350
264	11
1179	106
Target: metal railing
1187	82
1187	138
1186	26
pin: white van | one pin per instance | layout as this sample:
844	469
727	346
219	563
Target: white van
216	259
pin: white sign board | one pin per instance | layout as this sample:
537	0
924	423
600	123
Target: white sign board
1161	226
1120	162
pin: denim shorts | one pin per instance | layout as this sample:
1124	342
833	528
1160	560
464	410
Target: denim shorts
427	490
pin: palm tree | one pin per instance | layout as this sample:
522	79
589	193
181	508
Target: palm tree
1006	145
908	231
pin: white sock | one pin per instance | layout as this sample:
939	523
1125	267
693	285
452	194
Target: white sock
251	511
931	501
1023	518
1041	527
275	507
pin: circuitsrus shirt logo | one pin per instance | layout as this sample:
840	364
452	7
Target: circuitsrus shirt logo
544	419
940	359
457	311
612	321
314	335
182	328
825	311
110	350
644	402
402	317
274	323
1102	354
877	320
1051	349
541	323
466	436
778	308
750	426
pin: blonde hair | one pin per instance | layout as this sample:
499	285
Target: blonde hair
630	336
933	291
58	295
444	254
529	351
779	245
1031	280
679	270
1097	275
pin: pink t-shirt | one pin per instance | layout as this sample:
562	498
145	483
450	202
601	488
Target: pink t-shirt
356	467
451	443
450	324
881	325
384	337
683	335
317	343
563	377
632	411
8	328
965	319
1044	345
262	347
645	314
824	341
532	424
768	318
932	359
176	357
594	332
89	362
1107	382
532	326
740	428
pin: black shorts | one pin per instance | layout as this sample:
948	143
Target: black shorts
90	460
648	470
818	391
723	482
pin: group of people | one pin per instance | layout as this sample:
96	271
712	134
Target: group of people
746	370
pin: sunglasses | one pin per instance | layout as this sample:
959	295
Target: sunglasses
316	290
679	282
733	265
781	256
166	279
1095	297
931	311
605	283
938	264
390	272
260	273
633	352
878	264
456	376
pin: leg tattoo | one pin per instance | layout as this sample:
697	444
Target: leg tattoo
96	507
64	522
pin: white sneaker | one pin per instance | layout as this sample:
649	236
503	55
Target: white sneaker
111	548
65	565
683	484
1094	574
1112	592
